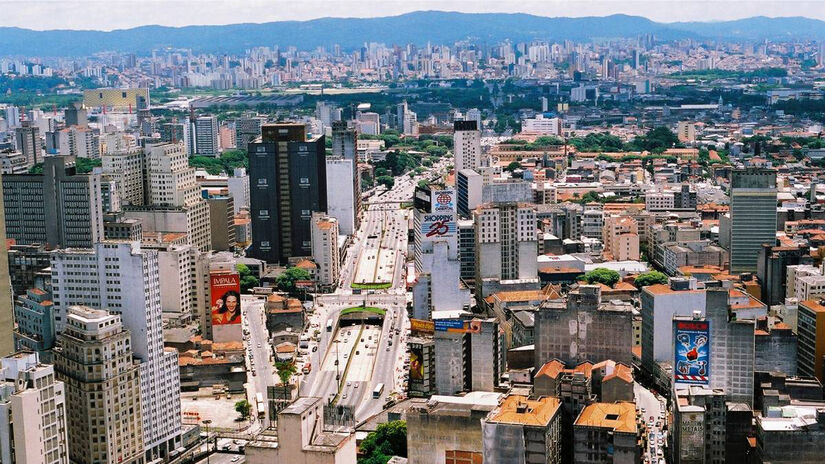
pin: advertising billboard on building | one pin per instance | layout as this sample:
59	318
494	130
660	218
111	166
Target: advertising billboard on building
443	201
457	326
437	226
691	341
421	325
225	308
416	365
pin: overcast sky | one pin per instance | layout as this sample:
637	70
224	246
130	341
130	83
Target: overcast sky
118	14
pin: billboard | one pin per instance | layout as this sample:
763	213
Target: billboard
457	326
416	364
443	201
691	341
225	291
437	226
692	437
421	325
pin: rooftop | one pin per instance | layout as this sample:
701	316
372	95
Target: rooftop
620	417
517	409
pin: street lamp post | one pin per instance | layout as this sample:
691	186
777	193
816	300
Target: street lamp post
206	423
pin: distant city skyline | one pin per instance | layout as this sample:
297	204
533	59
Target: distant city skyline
108	15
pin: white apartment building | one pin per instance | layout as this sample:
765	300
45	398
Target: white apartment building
467	145
541	125
592	221
808	283
103	389
77	141
325	232
170	180
659	201
341	194
238	185
173	201
124	279
177	267
32	412
126	169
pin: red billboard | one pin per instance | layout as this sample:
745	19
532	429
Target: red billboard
225	290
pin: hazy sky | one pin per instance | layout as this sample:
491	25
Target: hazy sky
117	14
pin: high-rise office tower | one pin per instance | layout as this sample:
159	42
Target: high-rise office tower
467	145
247	130
342	196
102	389
6	307
344	140
752	216
75	115
176	132
506	244
59	208
344	145
32	412
123	278
288	181
468	186
28	142
206	136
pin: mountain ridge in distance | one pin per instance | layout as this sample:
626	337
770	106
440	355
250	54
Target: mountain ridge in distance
419	27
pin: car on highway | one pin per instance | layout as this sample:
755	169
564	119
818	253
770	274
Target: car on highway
314	349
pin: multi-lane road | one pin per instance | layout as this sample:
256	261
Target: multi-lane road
346	363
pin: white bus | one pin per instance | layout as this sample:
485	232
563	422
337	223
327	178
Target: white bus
329	325
260	405
379	389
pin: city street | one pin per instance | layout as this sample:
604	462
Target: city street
650	405
260	371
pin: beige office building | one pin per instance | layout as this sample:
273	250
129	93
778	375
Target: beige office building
102	388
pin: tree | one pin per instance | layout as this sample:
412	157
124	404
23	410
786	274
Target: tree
590	197
389	439
248	280
286	281
513	166
602	275
243	407
650	278
285	369
386	181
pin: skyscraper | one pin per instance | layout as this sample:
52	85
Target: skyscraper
247	130
102	389
288	181
506	246
467	145
752	215
206	136
123	278
28	142
60	207
344	145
